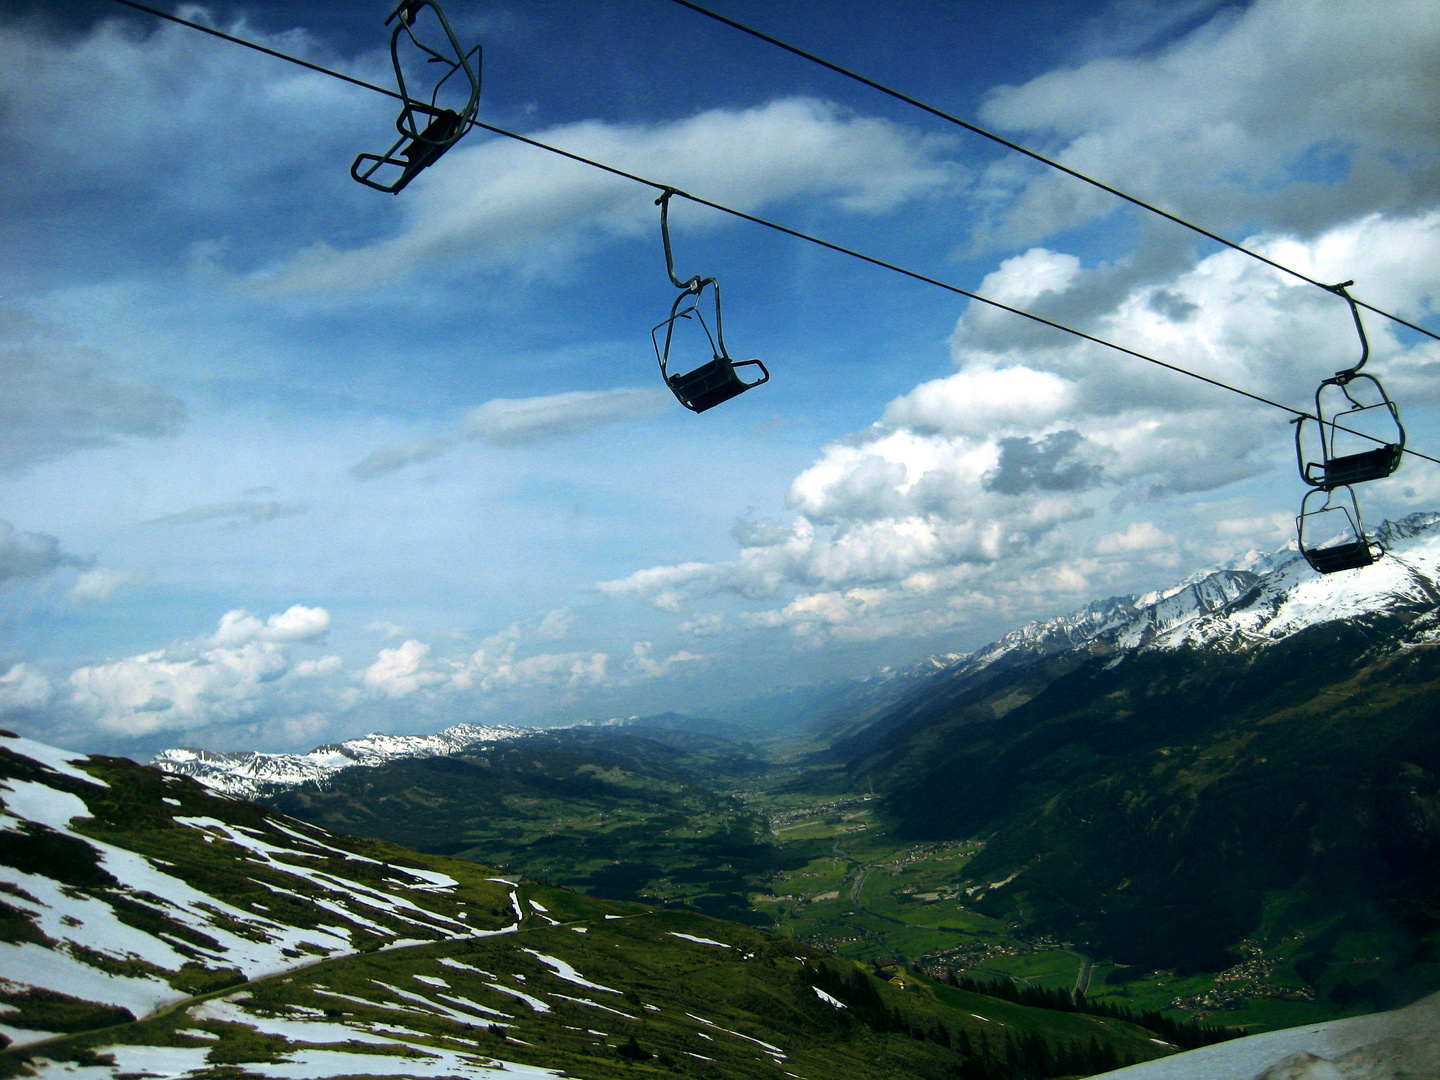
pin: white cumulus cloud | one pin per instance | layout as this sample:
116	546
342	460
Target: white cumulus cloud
1302	112
23	687
400	671
242	670
498	202
981	482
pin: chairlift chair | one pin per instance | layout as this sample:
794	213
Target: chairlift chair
1345	405
420	147
714	381
1353	551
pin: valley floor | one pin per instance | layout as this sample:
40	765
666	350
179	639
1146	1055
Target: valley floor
859	893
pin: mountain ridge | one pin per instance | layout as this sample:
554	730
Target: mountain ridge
1214	607
1252	600
248	773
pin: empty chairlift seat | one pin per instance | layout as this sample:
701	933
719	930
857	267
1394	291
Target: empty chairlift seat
716	380
421	146
1357	429
1336	520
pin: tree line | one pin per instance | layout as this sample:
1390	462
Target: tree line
1187	1034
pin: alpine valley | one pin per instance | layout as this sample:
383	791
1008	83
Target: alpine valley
1211	806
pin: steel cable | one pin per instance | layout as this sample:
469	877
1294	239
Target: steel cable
1051	162
1298	414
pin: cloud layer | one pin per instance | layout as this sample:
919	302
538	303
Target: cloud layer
1301	112
57	398
500	202
28	554
267	677
967	498
242	669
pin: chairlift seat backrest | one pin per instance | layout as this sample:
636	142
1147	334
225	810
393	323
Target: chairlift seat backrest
1347	556
712	383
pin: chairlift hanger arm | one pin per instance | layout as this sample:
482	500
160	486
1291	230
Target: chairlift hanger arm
694	284
1346	375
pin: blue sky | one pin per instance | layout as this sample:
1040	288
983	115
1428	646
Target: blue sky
285	459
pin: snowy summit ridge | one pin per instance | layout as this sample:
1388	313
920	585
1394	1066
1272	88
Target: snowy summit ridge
1255	600
250	773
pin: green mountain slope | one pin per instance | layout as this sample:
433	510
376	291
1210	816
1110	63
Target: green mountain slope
1191	809
626	813
151	928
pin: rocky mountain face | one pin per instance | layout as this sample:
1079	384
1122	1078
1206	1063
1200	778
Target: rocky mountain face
1258	599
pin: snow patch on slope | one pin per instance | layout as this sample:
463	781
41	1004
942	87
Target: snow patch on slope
80	929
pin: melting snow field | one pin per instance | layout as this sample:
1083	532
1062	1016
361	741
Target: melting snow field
90	923
175	1063
82	925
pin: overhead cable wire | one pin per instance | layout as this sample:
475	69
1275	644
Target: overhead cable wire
1051	162
1299	414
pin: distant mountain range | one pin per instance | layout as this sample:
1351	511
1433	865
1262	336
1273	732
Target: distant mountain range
252	773
1254	600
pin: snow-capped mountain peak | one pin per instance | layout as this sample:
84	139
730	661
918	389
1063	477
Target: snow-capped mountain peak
250	773
1293	597
1252	600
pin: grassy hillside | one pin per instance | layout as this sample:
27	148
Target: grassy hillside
153	928
623	813
651	993
1202	812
